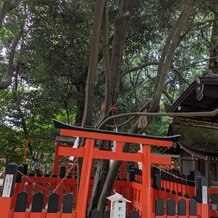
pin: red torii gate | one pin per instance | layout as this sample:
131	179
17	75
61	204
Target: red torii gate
89	152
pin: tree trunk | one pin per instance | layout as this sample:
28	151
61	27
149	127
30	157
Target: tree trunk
112	74
9	74
118	46
102	165
90	85
80	103
20	113
100	176
168	53
213	63
106	56
7	6
111	176
166	58
94	57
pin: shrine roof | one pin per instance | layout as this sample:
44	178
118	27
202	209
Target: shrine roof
201	95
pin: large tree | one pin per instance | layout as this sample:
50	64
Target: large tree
63	59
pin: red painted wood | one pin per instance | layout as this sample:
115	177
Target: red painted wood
141	194
37	215
183	216
84	181
5	204
204	210
56	159
67	215
53	215
21	215
214	213
67	151
213	191
161	216
110	155
158	159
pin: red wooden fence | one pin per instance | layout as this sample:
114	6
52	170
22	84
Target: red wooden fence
54	197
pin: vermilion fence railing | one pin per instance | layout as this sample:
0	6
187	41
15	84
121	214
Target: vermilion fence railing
171	185
164	203
151	195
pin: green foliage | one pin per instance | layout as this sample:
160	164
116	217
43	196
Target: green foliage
5	34
11	145
159	126
52	59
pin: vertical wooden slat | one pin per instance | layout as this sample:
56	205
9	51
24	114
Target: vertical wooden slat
193	207
171	207
159	207
96	214
9	180
37	202
62	172
45	191
53	203
202	190
21	203
68	203
182	207
25	168
19	175
134	214
157	181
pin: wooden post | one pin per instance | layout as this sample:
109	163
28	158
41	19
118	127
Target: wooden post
202	196
5	206
84	179
68	203
62	172
123	171
26	149
7	192
25	168
10	179
207	170
146	181
21	203
19	175
56	159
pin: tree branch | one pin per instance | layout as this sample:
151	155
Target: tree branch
162	114
168	53
118	47
94	54
139	67
9	74
8	5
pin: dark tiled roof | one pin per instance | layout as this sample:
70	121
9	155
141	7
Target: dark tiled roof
60	125
201	95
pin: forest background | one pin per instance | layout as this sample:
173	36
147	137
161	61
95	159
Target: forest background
81	61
